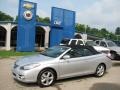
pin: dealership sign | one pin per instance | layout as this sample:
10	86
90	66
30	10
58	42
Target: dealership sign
28	5
57	22
28	15
26	26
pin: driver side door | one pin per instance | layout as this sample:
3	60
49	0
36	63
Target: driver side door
72	66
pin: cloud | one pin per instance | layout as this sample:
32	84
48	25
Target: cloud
103	13
42	13
67	4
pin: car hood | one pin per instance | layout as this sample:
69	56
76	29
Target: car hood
32	59
117	49
99	48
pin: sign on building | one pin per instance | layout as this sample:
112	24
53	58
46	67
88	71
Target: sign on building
26	26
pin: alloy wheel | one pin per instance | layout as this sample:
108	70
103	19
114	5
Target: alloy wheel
100	70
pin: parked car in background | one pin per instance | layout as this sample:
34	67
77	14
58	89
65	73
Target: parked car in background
65	41
117	43
87	42
97	47
114	49
60	62
76	42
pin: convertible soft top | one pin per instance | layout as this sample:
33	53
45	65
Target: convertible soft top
83	46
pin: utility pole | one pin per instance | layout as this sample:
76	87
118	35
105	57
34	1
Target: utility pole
107	36
86	29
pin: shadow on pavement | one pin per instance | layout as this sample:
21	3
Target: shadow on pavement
35	85
116	64
77	79
26	84
105	86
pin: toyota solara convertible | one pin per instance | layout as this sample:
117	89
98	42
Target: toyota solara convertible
60	62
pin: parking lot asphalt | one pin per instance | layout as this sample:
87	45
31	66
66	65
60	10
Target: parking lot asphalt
110	81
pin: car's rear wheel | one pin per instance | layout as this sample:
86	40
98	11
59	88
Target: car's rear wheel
100	71
46	78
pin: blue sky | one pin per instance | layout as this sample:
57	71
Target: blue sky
95	13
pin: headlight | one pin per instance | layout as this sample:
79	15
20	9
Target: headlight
29	66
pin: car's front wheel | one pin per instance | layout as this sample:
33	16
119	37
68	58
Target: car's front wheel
46	78
100	71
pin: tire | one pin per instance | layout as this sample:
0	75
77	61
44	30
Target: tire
100	70
46	78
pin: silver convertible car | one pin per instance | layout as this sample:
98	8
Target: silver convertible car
60	62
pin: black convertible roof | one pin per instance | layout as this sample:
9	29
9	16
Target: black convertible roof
83	46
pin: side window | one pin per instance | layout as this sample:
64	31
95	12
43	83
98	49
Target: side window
87	52
73	42
97	42
103	44
73	53
79	42
79	52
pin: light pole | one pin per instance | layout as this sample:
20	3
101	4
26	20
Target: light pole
86	29
107	36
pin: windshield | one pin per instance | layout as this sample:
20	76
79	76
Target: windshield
91	43
111	44
54	51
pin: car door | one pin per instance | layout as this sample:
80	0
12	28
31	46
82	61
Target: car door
77	64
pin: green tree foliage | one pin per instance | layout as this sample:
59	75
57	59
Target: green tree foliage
5	17
80	28
101	33
43	20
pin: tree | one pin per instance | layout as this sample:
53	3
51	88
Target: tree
46	20
101	33
117	31
104	33
80	28
43	20
5	17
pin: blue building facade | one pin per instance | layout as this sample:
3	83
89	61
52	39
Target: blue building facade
62	25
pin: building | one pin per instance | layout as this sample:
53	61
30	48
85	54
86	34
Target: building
8	35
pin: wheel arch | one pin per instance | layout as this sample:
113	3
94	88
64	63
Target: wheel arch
112	51
104	65
49	68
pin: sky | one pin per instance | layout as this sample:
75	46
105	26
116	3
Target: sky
94	13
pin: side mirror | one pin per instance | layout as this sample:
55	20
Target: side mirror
66	57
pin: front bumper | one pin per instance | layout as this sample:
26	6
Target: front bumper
26	76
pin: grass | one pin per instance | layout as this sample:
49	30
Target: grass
7	54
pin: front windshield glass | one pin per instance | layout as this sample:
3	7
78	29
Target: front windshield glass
54	51
111	44
91	43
